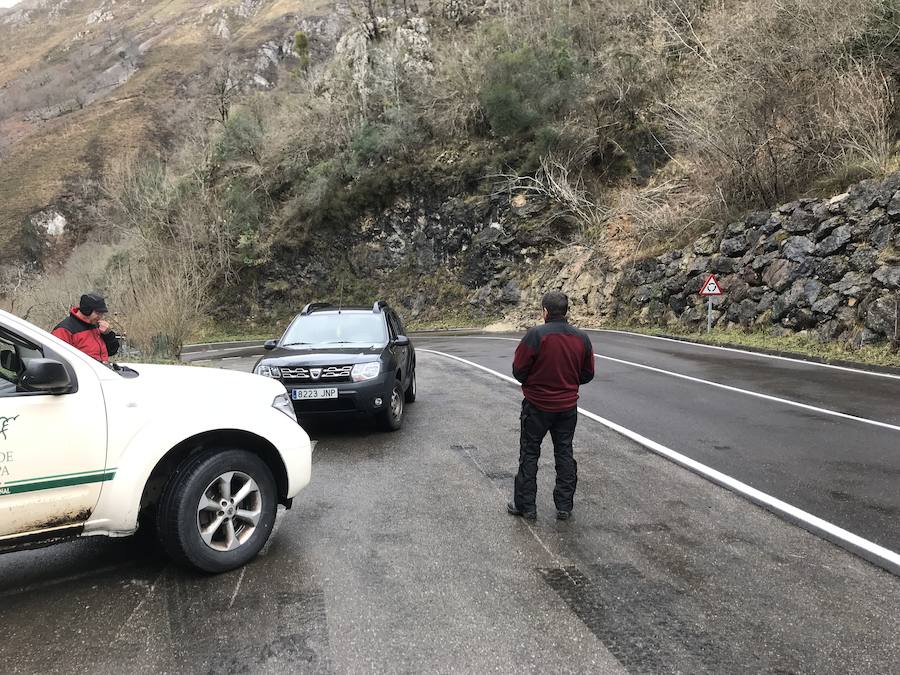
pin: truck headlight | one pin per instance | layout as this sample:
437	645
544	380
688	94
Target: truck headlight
365	371
283	403
268	371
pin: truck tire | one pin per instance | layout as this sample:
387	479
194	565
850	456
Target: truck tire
392	418
218	510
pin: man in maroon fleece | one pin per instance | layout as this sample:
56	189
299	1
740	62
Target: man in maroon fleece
86	329
551	362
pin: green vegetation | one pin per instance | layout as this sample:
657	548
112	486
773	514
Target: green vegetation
639	123
450	321
241	139
526	88
301	50
226	331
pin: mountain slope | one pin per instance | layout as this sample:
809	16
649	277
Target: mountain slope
84	82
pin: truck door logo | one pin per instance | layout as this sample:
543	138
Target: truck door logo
4	425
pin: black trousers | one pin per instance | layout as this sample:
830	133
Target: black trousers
534	426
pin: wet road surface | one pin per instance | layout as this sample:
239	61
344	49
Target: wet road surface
399	557
845	471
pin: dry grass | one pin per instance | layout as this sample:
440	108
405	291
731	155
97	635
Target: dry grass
658	216
683	110
47	300
799	345
34	172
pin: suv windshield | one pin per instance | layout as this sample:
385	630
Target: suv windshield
346	327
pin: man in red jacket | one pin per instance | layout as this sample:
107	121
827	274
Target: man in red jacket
551	362
86	330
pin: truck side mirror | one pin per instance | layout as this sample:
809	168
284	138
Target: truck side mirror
45	375
401	341
270	344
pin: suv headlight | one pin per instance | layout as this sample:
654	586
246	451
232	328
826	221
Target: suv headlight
268	371
365	371
283	403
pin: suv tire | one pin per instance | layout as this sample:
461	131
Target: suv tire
218	510
410	395
392	418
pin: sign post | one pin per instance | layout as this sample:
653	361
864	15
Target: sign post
709	289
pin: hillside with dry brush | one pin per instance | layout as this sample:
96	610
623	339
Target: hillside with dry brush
261	153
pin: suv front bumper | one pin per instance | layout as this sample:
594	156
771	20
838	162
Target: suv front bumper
371	396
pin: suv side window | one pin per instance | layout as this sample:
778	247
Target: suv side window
400	325
394	325
12	361
392	328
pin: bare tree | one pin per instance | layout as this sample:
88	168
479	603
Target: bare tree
224	90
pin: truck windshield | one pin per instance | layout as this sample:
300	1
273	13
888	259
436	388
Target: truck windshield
346	327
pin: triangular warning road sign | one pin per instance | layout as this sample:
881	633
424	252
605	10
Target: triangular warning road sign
710	286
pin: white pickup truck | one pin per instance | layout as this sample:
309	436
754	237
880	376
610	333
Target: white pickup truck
202	456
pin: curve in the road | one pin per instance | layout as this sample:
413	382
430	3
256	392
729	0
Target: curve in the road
746	352
866	549
727	387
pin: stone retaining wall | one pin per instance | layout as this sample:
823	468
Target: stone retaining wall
829	266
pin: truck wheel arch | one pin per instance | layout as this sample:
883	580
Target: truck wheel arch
167	466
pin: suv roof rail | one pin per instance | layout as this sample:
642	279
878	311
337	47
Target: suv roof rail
313	306
379	305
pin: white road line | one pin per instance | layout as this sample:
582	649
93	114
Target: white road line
745	352
237	587
737	390
755	394
864	548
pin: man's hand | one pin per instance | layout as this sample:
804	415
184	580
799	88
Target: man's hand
103	326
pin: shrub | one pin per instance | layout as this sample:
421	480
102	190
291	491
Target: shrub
876	35
301	49
527	87
242	205
863	110
241	139
394	136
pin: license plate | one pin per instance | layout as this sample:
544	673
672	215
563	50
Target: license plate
307	394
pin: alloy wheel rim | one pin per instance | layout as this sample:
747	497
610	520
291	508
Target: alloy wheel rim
396	402
229	510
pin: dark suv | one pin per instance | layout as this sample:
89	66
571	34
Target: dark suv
347	359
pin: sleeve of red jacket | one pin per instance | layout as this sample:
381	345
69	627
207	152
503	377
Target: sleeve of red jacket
587	366
112	342
63	335
526	353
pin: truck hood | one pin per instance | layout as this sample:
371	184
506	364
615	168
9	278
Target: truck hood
192	382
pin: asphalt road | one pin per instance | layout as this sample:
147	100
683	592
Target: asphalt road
399	557
796	444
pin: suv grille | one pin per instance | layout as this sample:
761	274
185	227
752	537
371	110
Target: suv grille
329	373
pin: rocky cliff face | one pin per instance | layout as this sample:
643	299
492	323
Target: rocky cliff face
827	266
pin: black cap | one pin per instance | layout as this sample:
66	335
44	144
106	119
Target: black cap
91	302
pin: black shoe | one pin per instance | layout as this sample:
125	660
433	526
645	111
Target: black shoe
563	515
511	508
